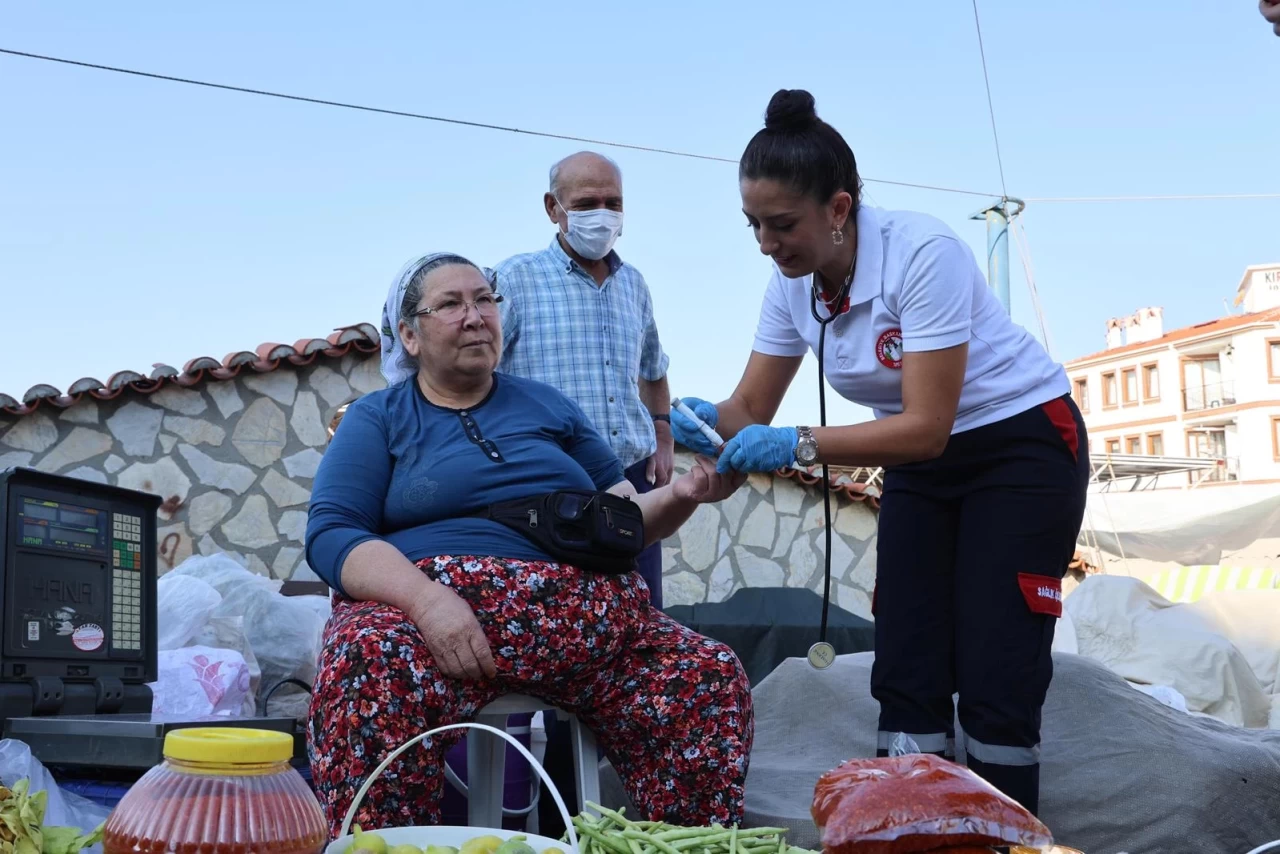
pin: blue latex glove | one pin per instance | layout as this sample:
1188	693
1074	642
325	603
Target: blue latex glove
687	434
759	448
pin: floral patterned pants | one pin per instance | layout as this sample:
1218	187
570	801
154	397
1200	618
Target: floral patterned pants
671	708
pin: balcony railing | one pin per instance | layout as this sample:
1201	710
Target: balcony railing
1208	396
1228	469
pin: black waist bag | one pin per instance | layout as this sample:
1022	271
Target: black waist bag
595	531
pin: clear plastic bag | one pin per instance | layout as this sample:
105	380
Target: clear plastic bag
183	606
64	809
284	634
908	803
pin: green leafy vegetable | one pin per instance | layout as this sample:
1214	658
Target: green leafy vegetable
22	820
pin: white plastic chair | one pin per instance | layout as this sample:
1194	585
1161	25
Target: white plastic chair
487	759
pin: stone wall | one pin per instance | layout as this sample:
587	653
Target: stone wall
770	534
233	460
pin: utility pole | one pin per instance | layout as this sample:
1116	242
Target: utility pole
998	217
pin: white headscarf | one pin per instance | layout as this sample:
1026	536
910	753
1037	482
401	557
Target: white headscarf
395	368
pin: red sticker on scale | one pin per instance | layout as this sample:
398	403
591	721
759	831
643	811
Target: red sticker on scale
889	348
1042	592
88	637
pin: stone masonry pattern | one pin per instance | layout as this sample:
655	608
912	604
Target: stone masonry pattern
770	533
234	460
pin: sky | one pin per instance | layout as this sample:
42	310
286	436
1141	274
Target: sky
145	221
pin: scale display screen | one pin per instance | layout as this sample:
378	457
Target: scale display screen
61	526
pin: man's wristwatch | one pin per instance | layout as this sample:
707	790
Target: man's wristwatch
662	416
806	447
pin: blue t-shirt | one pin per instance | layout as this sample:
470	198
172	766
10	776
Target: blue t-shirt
403	470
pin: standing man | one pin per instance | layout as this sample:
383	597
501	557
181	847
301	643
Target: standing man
578	317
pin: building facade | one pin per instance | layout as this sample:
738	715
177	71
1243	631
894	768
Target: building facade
1209	391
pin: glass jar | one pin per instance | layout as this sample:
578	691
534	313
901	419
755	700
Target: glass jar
220	790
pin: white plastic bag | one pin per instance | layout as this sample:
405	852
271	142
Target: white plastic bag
65	809
228	633
183	606
285	634
198	681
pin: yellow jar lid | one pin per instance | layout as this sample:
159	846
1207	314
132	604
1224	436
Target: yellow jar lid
228	745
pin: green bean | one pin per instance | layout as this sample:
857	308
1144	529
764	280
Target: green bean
615	845
655	842
615	815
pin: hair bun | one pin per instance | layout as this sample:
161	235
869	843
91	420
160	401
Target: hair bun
790	109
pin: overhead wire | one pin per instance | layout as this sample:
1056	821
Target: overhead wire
986	80
326	102
612	144
1024	253
1159	198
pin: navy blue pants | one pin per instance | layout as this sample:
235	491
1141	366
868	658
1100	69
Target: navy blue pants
972	549
559	756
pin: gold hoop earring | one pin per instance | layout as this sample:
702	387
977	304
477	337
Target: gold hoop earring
837	236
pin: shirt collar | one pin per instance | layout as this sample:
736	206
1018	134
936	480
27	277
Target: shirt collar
564	262
867	272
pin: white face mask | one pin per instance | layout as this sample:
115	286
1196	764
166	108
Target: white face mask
592	233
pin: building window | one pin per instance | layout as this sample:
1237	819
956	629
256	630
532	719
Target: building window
1155	444
1151	382
1273	360
1110	395
1133	445
1113	446
1129	376
1081	386
1275	438
1203	387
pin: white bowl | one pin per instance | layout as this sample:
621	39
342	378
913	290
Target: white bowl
452	836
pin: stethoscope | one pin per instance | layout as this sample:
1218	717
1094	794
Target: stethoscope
822	654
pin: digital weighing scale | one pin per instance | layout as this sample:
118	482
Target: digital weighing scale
78	624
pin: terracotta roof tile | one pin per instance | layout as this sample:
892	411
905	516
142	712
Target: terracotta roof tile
841	483
1211	327
267	357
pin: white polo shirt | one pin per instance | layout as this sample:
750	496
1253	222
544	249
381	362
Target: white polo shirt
917	287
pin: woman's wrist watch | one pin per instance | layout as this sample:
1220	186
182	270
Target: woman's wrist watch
806	447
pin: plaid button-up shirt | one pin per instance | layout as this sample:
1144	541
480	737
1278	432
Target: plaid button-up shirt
594	343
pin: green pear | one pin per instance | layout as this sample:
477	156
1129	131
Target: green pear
481	845
367	843
515	845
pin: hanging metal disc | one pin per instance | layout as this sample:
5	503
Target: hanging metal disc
821	655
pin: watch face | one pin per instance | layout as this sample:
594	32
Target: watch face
807	452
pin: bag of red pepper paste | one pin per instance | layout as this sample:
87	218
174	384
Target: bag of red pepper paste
913	803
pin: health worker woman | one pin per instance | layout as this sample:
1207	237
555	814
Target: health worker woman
986	455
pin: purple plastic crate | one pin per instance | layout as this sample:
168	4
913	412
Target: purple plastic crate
517	788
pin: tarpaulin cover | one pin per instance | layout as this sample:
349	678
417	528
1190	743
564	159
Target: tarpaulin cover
767	625
1121	772
1190	527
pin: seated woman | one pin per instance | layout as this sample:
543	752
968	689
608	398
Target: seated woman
438	612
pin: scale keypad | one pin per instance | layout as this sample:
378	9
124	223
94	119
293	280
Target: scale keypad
126	582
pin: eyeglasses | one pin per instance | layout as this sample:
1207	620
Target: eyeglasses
486	305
